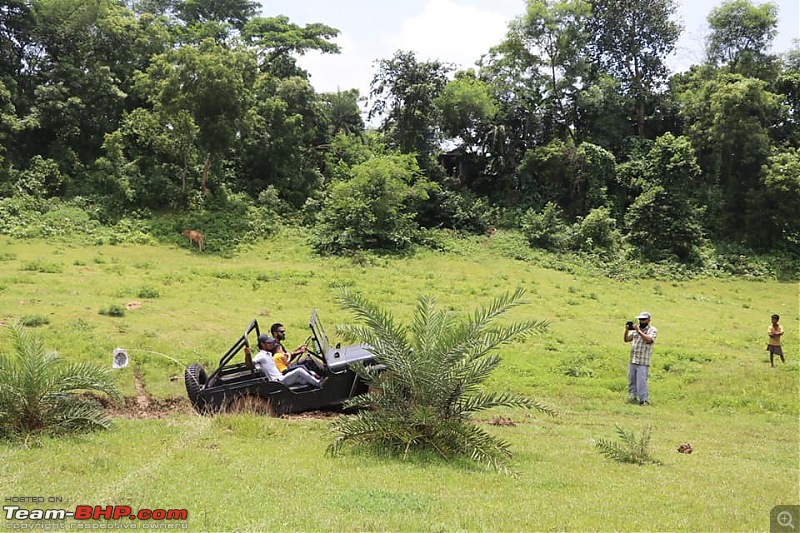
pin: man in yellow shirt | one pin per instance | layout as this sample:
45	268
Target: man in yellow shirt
775	332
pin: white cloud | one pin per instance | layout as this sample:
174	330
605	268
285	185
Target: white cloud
451	32
332	72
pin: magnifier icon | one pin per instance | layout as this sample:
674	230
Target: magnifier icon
785	519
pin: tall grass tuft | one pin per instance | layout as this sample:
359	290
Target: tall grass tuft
630	449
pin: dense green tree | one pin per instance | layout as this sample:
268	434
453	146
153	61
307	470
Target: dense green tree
81	67
730	120
430	385
278	40
209	82
233	12
374	208
465	104
16	40
631	39
343	112
741	35
554	33
287	130
776	203
664	221
403	95
787	84
576	179
515	84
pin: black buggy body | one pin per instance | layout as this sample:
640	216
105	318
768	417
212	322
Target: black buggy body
233	382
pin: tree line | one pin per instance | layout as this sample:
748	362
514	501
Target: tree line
571	129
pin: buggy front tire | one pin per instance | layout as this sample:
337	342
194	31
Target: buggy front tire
195	378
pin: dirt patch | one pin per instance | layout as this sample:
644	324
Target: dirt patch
502	421
155	408
133	408
130	306
314	415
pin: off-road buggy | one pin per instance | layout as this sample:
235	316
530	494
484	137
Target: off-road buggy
236	383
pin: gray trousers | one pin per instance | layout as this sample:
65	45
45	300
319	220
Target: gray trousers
299	376
637	382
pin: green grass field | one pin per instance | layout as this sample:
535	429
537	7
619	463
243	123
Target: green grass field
711	385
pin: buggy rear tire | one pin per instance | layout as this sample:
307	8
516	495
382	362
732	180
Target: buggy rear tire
195	378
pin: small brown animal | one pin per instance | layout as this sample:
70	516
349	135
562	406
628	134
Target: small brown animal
685	448
196	237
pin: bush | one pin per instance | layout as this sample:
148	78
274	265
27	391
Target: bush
546	229
631	449
32	321
597	232
460	210
373	209
44	267
39	393
113	310
148	292
226	221
429	384
679	234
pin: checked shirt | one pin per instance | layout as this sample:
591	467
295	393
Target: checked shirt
641	352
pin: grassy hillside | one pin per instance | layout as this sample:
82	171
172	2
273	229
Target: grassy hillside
711	385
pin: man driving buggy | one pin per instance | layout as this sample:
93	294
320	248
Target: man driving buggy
297	358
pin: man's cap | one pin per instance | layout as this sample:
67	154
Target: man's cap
643	315
265	338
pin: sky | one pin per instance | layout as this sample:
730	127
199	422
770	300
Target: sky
457	31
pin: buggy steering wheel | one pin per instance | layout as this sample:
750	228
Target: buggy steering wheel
310	342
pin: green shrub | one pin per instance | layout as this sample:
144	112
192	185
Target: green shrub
546	229
430	382
597	232
630	449
113	310
679	232
148	292
32	321
374	208
39	265
460	210
39	393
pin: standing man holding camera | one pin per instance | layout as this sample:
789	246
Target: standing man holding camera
642	336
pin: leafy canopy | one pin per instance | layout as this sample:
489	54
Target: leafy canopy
428	383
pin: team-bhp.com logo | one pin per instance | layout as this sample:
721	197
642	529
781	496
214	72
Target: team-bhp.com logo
97	512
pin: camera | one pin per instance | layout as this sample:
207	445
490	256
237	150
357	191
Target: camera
629	324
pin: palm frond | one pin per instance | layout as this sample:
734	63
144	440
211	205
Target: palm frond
629	449
83	376
72	414
430	378
484	401
381	322
37	389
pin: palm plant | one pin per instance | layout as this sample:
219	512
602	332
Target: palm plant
631	449
39	392
428	383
